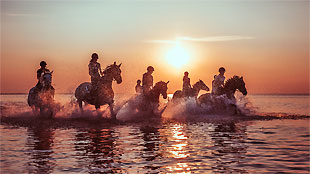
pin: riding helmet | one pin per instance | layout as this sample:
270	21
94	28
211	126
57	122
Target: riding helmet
43	63
94	56
150	68
222	69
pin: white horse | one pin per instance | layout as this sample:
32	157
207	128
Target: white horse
105	94
43	98
224	99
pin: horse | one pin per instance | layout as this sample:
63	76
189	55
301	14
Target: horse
43	98
153	95
193	92
144	104
225	95
105	94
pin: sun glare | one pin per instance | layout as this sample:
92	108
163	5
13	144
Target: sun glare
177	56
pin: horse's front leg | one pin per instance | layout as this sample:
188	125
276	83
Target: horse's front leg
113	114
35	110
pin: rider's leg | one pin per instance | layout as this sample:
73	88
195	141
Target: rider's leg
37	88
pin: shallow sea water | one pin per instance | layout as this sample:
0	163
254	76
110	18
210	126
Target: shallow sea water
167	146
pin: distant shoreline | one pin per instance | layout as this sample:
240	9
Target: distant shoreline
296	94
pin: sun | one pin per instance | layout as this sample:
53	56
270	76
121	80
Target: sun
178	56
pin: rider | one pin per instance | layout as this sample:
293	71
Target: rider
218	80
186	83
94	70
40	72
138	87
147	80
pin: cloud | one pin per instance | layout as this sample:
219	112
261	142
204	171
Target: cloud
19	14
203	39
162	41
215	38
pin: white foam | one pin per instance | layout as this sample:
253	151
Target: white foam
189	109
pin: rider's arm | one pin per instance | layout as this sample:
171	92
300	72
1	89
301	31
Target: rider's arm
152	81
89	69
39	74
99	67
144	80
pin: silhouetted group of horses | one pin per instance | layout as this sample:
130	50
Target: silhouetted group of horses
44	100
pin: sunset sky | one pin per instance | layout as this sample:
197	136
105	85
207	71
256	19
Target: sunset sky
265	42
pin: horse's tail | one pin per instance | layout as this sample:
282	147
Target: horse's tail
31	97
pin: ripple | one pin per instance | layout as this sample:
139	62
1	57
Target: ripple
172	147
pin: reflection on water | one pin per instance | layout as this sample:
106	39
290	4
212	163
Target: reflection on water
150	137
178	149
229	145
226	147
95	150
40	142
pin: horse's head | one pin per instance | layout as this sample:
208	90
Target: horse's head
240	85
201	85
162	88
114	71
47	78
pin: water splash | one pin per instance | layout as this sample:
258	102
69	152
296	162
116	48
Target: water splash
188	108
133	109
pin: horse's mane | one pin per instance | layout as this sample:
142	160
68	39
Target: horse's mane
160	83
196	84
199	81
231	80
109	67
47	72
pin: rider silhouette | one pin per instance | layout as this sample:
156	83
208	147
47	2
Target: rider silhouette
186	84
138	87
94	70
147	80
218	80
40	72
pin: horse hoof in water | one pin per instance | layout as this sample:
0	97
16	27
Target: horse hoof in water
46	112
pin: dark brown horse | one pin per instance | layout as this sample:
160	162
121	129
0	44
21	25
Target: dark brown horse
144	106
105	94
193	92
150	100
226	92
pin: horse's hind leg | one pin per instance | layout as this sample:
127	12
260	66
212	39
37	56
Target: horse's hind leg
80	105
